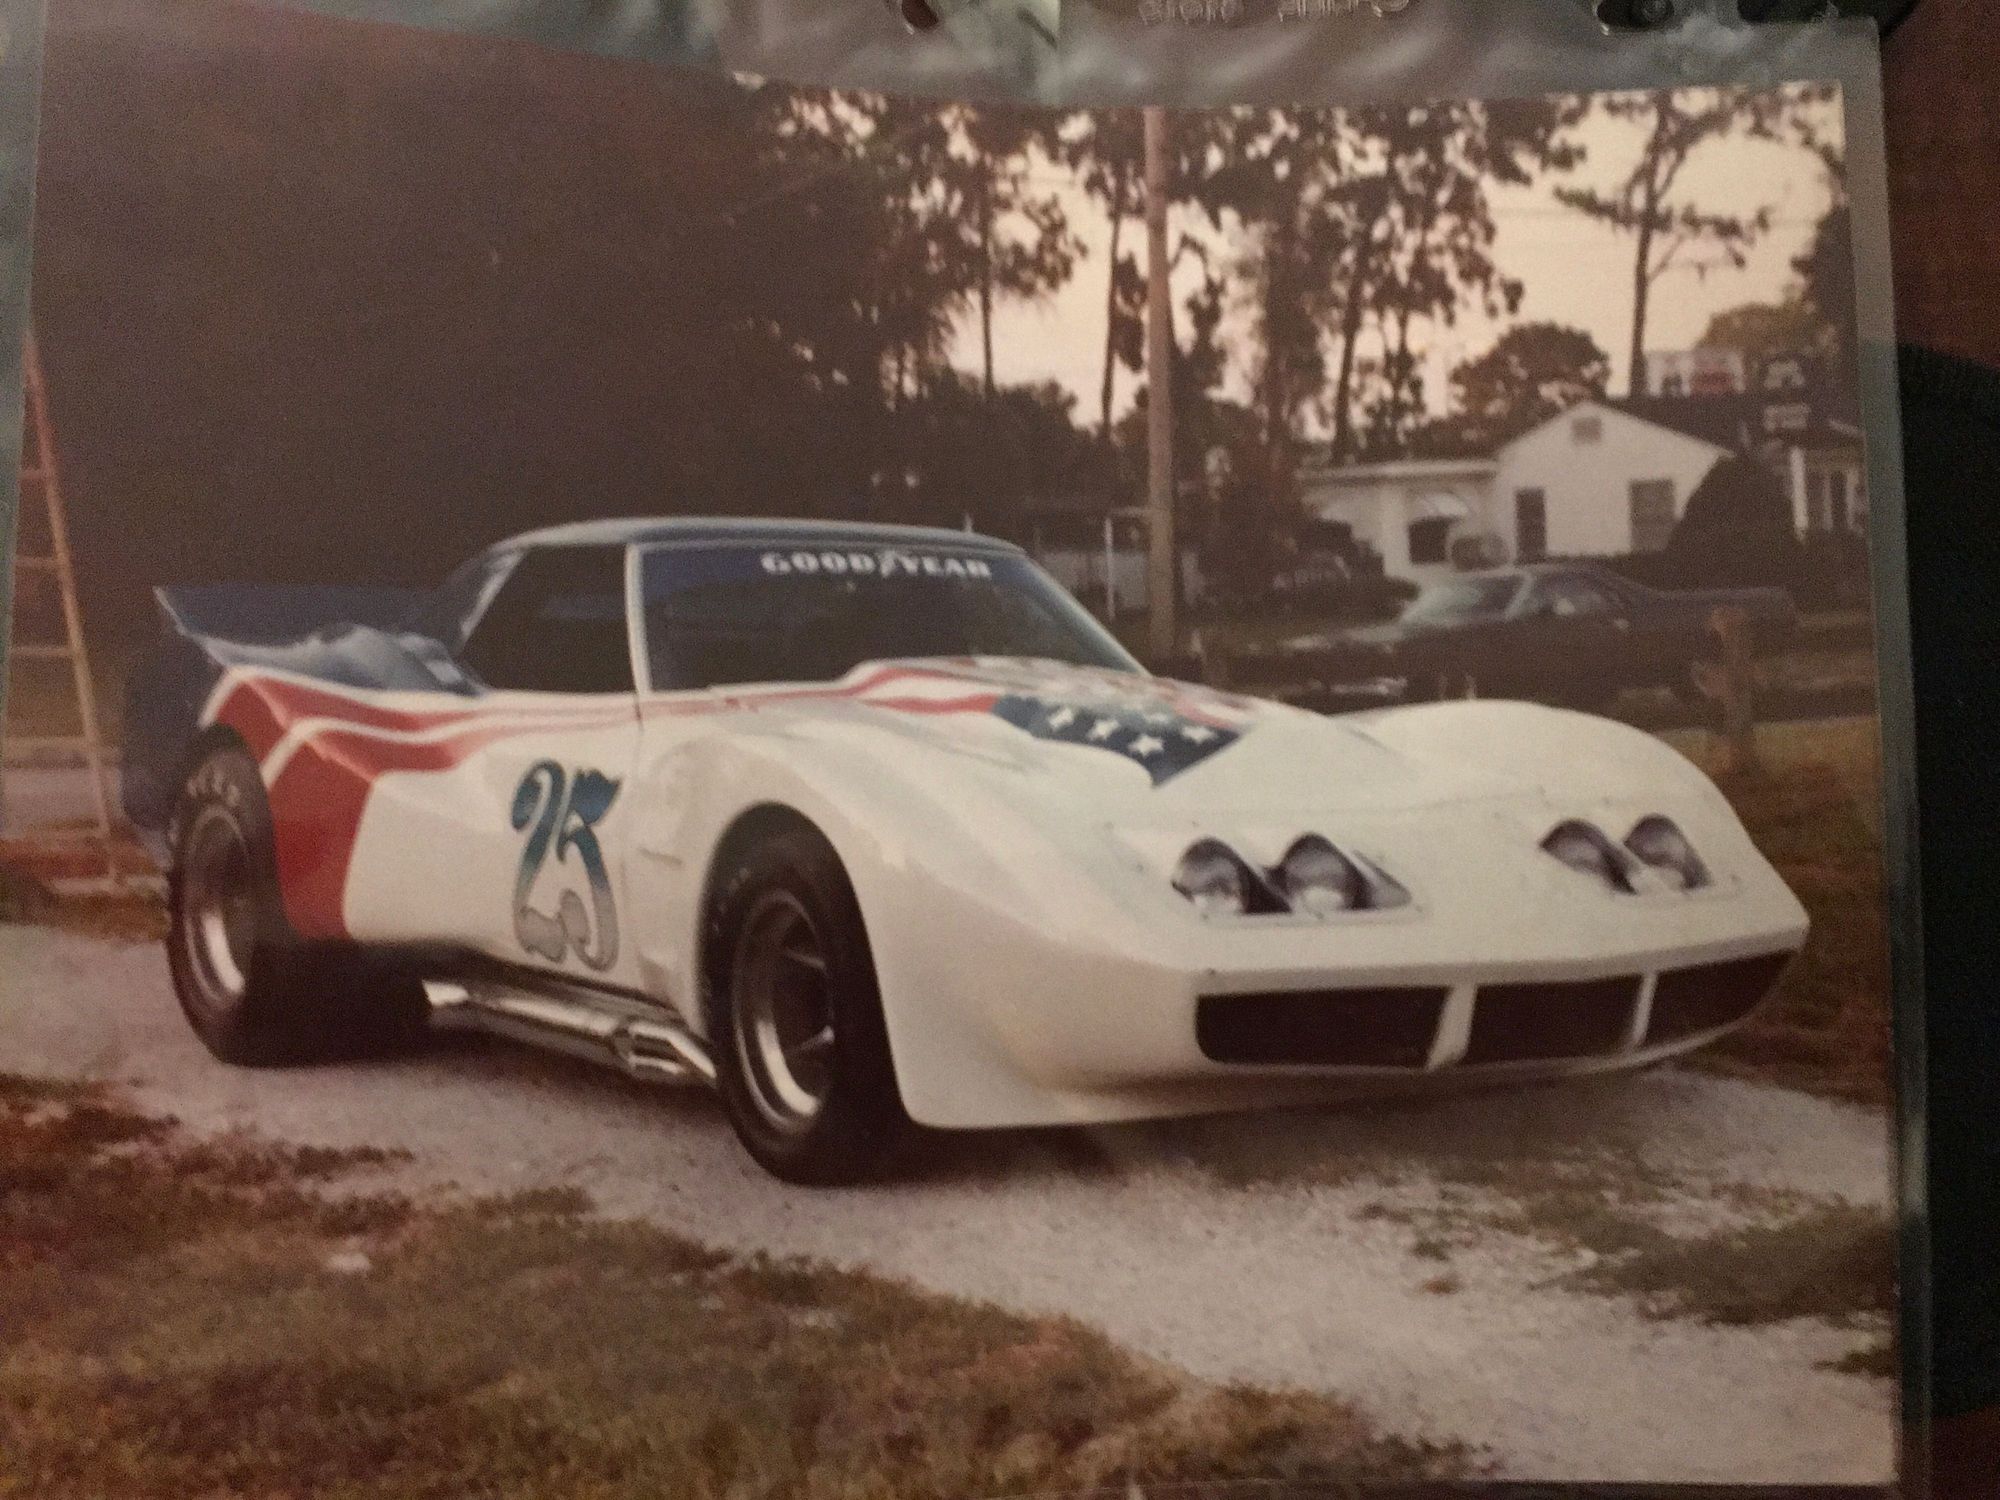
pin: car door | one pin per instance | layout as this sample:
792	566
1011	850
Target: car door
503	830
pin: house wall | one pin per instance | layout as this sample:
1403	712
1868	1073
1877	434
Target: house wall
1829	490
1588	484
1378	502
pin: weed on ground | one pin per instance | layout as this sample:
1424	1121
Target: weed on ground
225	1319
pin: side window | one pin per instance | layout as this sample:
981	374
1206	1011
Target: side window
1430	539
459	600
557	625
1575	596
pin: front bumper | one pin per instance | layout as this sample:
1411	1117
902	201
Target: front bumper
1045	1027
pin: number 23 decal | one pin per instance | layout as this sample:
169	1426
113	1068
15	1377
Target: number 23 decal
560	813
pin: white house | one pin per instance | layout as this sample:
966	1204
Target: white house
1595	481
1408	510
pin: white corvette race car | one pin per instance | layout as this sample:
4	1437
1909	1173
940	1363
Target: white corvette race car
873	825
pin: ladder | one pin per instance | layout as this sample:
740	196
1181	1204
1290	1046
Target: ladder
34	571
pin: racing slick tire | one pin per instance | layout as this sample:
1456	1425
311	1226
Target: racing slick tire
255	993
801	1051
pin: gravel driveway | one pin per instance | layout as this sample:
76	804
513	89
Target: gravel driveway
1275	1250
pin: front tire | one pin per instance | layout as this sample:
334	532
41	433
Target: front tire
802	1054
252	990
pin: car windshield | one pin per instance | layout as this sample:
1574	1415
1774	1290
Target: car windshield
718	615
1470	598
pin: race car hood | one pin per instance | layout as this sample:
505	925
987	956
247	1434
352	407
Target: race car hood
1110	742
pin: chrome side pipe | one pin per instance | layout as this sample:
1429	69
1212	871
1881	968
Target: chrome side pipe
638	1039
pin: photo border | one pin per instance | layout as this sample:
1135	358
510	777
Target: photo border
1550	48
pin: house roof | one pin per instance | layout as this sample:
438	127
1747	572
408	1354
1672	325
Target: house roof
1409	469
1814	417
1746	420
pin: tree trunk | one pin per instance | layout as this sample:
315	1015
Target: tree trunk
986	285
1350	334
1111	311
1277	372
1642	290
1163	552
1642	267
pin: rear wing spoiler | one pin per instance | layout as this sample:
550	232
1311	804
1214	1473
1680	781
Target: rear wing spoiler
270	614
306	629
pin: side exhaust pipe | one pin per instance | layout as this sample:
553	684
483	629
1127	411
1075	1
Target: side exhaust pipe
639	1040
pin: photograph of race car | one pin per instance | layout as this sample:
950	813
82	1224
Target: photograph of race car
876	824
770	809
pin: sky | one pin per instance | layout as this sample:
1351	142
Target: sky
1575	270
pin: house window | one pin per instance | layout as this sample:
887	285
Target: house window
1586	430
1652	514
1792	416
1531	525
1430	540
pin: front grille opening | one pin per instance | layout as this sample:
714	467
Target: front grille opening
1525	1022
1359	1028
1710	996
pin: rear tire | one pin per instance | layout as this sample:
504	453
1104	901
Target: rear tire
801	1051
253	991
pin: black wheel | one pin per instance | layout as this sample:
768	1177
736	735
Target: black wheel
254	993
802	1056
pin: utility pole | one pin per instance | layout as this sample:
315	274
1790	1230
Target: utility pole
1163	553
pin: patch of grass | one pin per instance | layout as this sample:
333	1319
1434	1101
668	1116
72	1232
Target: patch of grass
1718	1252
219	1319
1816	812
555	1202
1833	1261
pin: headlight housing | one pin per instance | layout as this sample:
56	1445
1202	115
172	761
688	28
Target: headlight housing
1214	879
1585	848
1316	879
1658	842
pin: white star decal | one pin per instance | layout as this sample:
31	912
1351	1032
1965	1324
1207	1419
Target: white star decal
1062	718
1147	745
1200	734
1103	729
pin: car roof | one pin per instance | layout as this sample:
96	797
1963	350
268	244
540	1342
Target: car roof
627	531
1543	570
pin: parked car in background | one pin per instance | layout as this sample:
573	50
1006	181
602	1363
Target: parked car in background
1565	633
